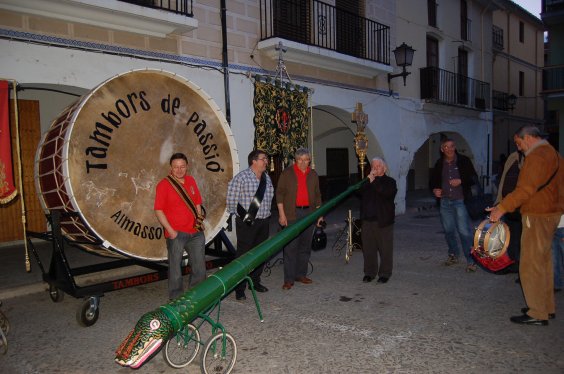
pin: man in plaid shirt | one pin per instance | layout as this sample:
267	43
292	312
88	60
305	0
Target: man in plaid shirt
251	231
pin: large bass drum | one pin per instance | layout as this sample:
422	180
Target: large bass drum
102	158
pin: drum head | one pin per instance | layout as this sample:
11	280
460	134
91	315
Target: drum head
118	146
492	239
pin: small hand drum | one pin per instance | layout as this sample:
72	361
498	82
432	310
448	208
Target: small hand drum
491	239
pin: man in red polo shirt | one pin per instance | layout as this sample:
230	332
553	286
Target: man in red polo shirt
297	195
179	217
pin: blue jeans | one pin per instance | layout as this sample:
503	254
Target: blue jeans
455	218
558	256
194	244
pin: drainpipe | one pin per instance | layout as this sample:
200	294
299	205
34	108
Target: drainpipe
482	67
225	62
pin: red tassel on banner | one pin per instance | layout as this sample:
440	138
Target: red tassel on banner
7	187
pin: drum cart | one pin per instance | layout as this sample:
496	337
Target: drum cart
219	350
61	276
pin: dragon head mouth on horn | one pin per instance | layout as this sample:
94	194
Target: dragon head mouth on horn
151	331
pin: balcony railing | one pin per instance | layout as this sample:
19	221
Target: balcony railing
497	38
553	6
183	7
500	101
553	78
445	87
465	28
318	24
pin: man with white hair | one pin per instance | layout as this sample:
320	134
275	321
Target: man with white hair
377	212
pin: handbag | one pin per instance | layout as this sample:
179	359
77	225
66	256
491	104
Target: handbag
319	239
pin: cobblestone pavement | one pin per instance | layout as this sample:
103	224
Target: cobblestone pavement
427	319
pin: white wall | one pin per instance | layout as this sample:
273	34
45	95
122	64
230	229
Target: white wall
396	127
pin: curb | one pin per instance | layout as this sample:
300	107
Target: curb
28	289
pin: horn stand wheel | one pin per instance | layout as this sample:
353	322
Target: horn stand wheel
183	348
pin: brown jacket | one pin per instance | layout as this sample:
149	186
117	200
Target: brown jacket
540	163
287	189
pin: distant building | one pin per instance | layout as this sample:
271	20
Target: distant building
517	45
553	78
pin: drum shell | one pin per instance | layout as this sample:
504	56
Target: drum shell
102	158
491	239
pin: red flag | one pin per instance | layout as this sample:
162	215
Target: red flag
7	187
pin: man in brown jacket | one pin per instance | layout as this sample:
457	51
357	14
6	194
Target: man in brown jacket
297	195
537	193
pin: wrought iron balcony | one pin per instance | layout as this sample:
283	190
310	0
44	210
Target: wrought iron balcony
502	101
445	87
552	6
318	24
497	38
553	79
182	7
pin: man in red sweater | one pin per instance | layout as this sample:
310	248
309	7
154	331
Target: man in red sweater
181	219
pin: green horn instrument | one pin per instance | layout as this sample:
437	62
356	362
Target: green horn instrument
156	327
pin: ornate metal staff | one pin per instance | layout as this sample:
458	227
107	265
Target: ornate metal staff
360	139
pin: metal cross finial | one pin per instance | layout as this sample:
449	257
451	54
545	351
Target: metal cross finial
281	71
359	117
360	139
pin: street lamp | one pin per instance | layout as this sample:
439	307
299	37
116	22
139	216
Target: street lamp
404	57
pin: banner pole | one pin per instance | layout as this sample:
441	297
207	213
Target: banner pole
311	127
20	172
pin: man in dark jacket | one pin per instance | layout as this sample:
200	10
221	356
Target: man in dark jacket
378	211
451	181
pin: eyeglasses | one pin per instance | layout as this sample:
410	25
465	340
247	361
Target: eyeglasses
265	159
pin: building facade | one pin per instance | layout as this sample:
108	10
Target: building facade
553	85
341	50
517	74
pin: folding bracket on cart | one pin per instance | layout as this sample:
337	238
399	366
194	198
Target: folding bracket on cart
61	276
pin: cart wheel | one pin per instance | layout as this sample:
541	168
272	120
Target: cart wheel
88	313
182	348
220	354
56	295
4	323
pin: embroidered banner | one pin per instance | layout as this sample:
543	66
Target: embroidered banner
7	187
281	123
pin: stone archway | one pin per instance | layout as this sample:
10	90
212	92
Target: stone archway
333	136
424	160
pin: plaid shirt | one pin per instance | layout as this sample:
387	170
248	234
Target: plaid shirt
242	189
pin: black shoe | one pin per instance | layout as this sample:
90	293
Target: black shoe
383	280
260	288
550	315
367	278
240	295
557	290
526	320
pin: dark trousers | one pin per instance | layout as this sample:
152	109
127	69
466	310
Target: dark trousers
298	251
377	241
248	237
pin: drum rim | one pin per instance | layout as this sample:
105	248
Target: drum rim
487	234
78	106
